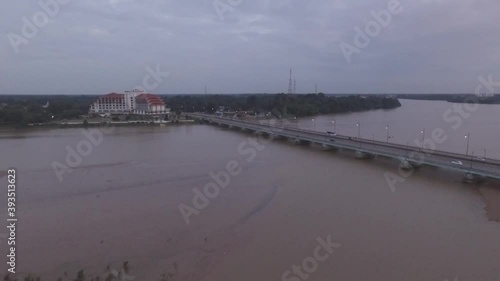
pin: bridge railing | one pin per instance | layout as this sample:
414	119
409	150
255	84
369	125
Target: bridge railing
458	156
490	169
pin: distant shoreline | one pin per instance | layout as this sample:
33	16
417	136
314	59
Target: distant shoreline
453	98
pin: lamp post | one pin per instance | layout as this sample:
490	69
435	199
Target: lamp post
471	159
407	148
314	124
423	137
334	126
467	137
359	133
387	130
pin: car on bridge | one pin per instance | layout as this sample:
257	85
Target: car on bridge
456	162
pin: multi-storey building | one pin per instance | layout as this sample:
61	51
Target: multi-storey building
110	103
130	102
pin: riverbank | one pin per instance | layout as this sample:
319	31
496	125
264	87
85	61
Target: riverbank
80	124
454	98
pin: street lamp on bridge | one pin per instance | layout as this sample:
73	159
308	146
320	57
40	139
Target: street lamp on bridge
423	137
314	122
359	133
467	137
387	130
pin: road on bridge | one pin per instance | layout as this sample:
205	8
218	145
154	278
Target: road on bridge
469	164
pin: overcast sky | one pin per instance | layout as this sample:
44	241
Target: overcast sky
101	46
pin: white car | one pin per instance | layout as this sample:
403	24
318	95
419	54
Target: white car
457	163
480	159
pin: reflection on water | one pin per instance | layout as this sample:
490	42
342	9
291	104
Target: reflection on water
121	204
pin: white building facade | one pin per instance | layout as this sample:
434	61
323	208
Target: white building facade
130	102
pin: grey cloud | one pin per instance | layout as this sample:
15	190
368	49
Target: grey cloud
96	46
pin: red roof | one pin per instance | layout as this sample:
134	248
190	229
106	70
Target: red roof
142	98
150	99
113	96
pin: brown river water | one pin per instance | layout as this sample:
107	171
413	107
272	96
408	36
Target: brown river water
279	201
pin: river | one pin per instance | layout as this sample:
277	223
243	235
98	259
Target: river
121	202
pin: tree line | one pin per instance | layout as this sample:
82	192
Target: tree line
23	110
294	105
455	98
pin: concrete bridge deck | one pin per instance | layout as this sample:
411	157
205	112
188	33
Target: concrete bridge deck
410	157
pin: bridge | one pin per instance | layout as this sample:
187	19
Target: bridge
474	168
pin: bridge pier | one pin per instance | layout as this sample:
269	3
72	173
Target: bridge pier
363	155
277	137
327	147
412	160
406	165
416	164
471	178
299	141
261	134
